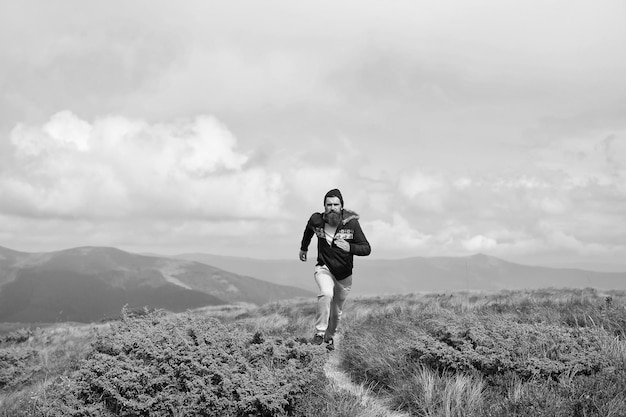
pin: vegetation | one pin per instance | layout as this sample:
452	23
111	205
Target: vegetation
541	353
516	353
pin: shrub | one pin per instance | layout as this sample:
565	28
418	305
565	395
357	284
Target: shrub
18	364
493	345
16	336
599	395
17	367
529	365
181	365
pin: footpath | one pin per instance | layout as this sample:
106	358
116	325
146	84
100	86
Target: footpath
341	381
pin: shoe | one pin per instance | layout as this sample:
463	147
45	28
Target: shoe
330	344
318	339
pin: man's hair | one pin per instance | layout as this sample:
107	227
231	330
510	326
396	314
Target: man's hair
334	193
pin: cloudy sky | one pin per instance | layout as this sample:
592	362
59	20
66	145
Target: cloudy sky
451	127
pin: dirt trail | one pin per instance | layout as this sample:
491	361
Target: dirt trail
376	407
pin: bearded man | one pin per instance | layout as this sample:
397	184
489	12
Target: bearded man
339	238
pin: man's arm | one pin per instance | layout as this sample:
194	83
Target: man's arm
359	245
306	240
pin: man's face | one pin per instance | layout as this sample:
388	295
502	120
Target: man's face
333	204
333	210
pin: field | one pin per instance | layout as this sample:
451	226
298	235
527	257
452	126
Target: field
517	353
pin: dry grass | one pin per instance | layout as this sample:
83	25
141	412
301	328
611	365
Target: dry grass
376	360
60	349
432	394
224	311
615	348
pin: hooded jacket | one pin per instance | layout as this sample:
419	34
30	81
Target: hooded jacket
338	261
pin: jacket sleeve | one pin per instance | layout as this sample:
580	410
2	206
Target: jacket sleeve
359	245
306	237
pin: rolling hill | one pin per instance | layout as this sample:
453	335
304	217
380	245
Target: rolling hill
89	283
415	274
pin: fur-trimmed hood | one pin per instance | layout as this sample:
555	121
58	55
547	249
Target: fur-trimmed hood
349	215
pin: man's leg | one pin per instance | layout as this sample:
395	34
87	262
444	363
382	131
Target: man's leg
341	290
325	282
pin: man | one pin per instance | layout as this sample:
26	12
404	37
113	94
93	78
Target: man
339	238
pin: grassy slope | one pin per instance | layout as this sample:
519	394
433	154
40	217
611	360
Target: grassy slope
381	349
535	353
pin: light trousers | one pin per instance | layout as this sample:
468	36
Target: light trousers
330	301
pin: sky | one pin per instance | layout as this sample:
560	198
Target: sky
452	127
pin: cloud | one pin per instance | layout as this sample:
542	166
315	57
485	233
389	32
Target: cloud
479	243
427	133
117	167
232	78
424	191
396	236
310	183
510	213
589	157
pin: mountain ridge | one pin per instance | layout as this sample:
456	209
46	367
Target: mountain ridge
414	274
88	283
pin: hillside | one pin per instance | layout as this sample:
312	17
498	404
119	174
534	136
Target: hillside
279	271
90	283
540	353
403	276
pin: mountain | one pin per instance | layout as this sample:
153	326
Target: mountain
278	271
89	283
397	276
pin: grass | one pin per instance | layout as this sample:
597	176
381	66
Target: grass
58	350
452	394
551	352
514	353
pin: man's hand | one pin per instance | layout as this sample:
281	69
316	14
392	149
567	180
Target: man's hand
303	256
343	245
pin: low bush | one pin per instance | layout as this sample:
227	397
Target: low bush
181	365
492	345
18	366
503	363
571	308
16	336
598	395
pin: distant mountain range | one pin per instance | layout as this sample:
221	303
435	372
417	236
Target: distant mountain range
90	283
398	276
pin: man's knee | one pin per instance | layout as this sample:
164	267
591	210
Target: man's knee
325	294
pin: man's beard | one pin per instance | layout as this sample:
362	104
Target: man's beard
333	218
